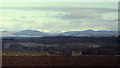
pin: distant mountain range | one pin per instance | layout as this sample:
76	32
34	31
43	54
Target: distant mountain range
35	33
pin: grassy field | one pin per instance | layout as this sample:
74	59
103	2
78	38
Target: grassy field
18	53
60	61
10	58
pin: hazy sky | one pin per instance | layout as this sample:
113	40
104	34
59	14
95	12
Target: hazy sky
59	17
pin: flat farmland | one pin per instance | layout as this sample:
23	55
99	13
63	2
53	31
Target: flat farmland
60	61
61	51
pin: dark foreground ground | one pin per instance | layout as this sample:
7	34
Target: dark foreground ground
79	61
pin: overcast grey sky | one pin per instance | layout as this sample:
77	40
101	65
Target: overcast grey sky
59	17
